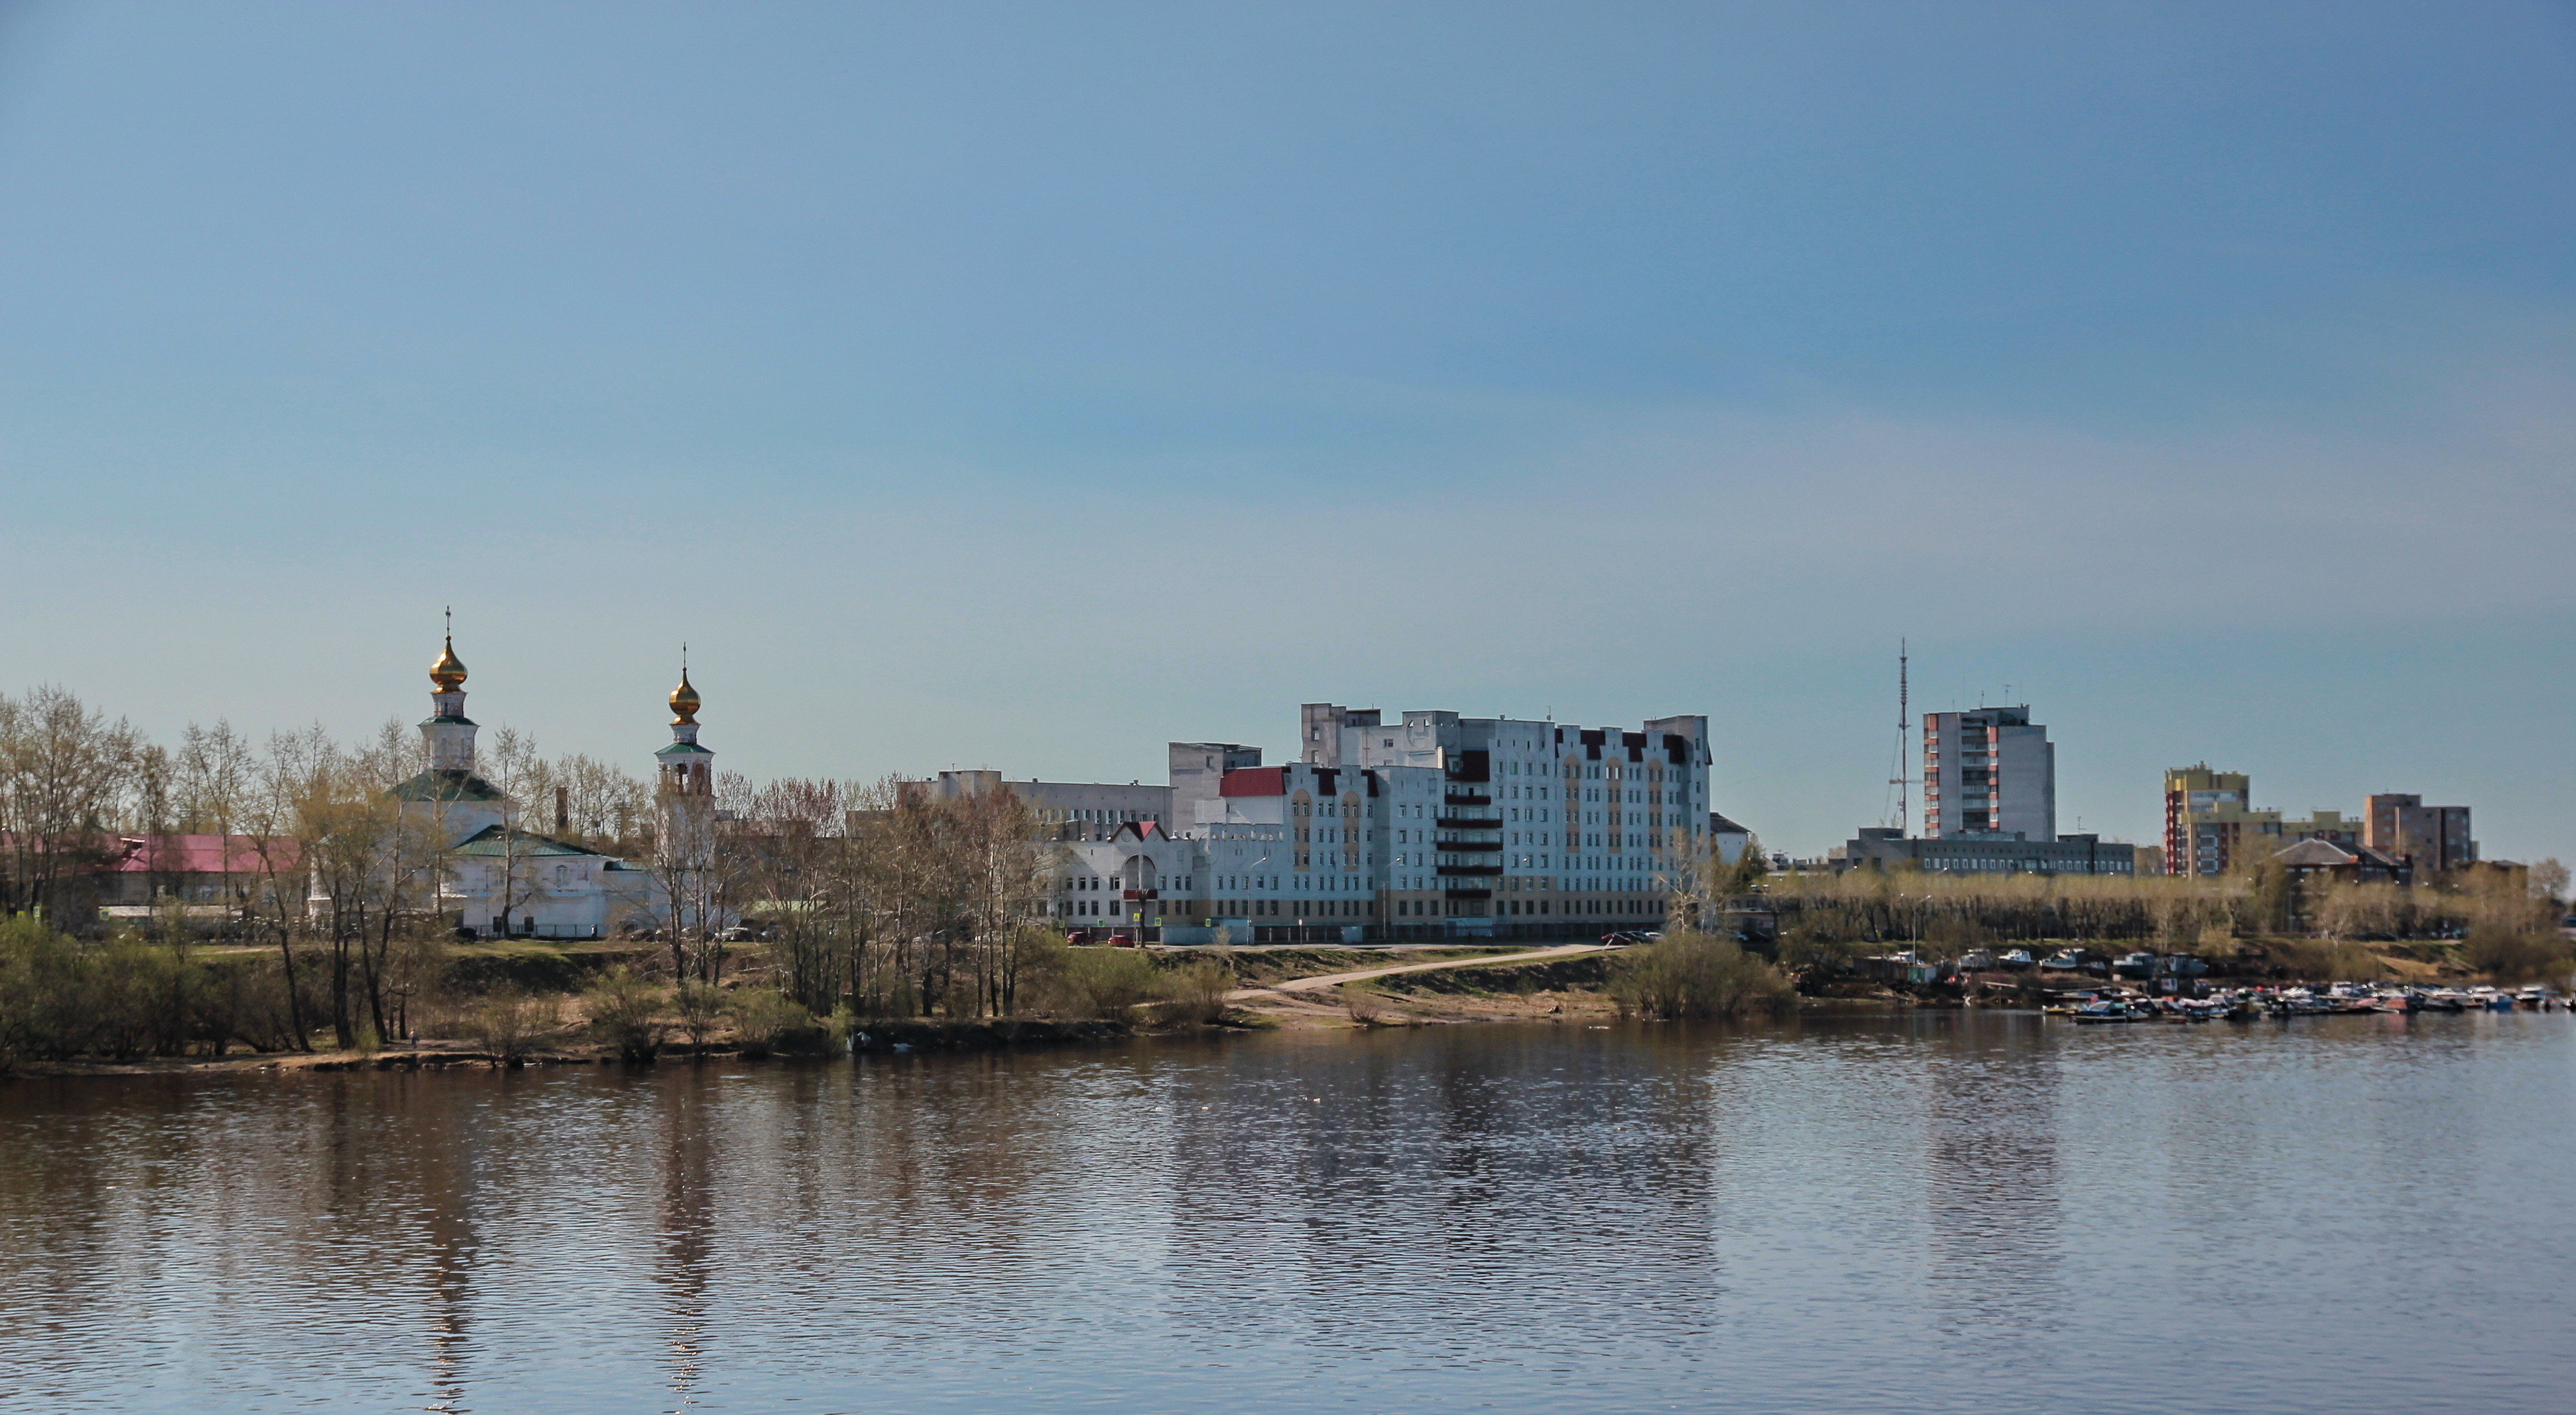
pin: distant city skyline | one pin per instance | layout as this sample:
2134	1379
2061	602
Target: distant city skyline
1019	388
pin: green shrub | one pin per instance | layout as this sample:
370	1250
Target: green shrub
625	1013
41	992
701	1006
1363	999
2329	960
508	1024
1196	991
1819	944
1694	975
120	997
1103	982
767	1020
2511	955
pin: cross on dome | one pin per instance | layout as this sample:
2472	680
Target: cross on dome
449	672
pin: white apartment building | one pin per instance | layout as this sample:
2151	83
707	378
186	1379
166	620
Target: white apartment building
1433	826
1279	853
1542	827
1071	810
1120	880
1988	772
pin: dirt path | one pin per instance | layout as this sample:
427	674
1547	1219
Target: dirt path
1322	981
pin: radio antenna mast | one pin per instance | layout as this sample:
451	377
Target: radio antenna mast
1904	736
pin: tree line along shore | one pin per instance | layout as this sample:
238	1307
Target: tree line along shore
128	998
876	904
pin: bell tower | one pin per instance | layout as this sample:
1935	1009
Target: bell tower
448	790
448	733
685	795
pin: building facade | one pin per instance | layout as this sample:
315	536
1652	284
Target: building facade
1433	825
494	878
208	880
2314	863
1727	838
2211	825
1986	853
1067	810
2431	839
1988	772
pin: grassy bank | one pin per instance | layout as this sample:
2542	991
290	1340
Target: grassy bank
71	1003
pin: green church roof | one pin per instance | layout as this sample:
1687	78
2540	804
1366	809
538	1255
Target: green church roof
438	784
495	841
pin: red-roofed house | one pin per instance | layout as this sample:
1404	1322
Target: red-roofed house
219	872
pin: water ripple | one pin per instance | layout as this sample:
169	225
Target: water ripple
1940	1212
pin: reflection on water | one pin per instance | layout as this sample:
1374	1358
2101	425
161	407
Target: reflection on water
1973	1212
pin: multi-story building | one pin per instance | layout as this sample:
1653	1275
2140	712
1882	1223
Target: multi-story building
2317	861
1120	879
2211	824
1067	810
1987	853
2431	839
1543	827
1991	771
1436	825
2332	827
2198	791
2215	839
1197	773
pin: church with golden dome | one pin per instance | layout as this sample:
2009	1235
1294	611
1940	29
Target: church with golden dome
497	878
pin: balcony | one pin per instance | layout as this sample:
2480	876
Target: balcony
1468	893
1452	870
1468	798
1466	823
1462	845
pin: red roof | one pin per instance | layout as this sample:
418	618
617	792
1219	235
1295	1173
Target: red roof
1254	781
202	854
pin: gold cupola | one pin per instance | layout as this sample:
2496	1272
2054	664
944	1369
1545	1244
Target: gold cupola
684	702
449	672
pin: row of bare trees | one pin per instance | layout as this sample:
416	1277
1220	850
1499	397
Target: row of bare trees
1910	906
880	898
884	900
318	861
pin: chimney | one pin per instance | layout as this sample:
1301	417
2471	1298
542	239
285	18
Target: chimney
563	809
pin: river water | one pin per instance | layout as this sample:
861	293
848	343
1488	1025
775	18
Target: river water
1975	1212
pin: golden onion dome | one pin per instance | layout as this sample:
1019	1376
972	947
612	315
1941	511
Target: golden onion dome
684	702
449	672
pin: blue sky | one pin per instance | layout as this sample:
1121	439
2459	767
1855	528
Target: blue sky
1023	386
